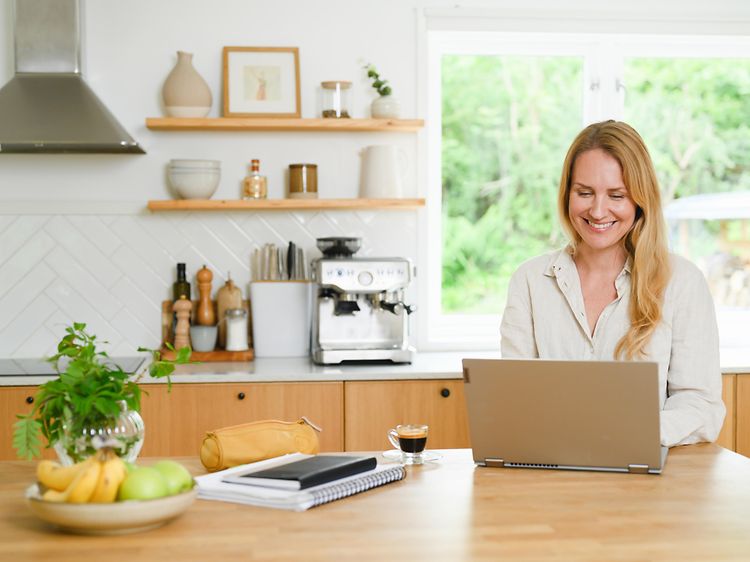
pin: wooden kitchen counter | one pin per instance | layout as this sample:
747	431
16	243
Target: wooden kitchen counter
698	510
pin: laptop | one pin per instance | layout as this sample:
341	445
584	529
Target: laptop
574	415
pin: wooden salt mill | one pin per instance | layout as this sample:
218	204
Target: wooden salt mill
182	309
205	315
228	296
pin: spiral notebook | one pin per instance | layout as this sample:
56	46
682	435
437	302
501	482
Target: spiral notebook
213	486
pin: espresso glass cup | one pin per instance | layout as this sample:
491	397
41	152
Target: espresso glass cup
410	439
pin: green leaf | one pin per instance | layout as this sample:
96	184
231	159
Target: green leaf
183	356
26	437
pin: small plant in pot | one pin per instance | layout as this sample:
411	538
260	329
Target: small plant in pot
386	106
91	403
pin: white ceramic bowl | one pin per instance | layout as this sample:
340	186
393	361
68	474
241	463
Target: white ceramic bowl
194	184
194	163
110	518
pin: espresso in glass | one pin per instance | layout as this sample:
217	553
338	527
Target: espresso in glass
410	440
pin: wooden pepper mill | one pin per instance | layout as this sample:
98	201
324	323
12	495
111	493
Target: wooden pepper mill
182	309
228	296
205	315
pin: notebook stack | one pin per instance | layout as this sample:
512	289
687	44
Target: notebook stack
297	482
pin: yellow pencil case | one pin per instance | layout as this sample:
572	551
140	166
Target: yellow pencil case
257	441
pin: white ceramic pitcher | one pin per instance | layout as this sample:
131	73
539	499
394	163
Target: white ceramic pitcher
383	170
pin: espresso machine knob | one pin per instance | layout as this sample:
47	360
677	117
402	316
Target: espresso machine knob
394	307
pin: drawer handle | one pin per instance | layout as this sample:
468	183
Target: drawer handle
29	399
445	393
241	396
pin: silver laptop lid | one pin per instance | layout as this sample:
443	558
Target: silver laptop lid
585	415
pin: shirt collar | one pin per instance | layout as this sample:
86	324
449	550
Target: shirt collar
561	261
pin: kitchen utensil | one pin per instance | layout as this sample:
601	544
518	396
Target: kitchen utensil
291	258
182	308
205	315
301	264
229	296
383	170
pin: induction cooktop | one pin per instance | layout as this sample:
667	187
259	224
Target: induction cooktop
38	366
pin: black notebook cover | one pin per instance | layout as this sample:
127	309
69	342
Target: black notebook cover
309	472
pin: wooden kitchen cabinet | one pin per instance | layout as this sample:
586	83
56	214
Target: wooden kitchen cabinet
371	408
743	414
727	436
177	421
15	400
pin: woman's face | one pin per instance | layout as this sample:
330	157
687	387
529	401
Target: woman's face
600	206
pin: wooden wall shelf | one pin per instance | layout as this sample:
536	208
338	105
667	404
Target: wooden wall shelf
296	125
284	204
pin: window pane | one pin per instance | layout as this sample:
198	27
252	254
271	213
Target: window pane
694	115
507	122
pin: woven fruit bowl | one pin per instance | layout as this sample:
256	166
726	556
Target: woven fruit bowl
109	518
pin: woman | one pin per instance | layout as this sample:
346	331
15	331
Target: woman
615	292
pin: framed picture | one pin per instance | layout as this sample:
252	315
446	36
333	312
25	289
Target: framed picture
261	82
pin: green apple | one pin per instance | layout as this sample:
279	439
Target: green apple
177	476
130	467
143	483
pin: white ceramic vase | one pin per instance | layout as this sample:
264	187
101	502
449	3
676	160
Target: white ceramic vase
185	92
385	107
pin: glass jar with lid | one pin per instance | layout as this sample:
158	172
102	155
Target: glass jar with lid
335	98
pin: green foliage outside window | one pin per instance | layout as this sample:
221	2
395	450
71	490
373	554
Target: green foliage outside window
507	122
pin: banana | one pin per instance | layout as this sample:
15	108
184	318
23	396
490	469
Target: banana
113	472
82	488
53	495
55	476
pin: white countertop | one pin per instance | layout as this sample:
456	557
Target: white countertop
427	365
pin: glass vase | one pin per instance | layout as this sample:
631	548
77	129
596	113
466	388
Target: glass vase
125	435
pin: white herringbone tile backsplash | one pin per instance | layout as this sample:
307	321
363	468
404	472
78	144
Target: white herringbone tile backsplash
113	271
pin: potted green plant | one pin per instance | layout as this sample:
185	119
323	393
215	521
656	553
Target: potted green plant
90	400
385	106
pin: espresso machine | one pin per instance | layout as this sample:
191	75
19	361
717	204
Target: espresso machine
359	313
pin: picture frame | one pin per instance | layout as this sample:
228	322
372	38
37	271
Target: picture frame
261	82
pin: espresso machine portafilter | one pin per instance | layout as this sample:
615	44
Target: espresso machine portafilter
359	313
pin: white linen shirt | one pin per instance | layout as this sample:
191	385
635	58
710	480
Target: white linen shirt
545	318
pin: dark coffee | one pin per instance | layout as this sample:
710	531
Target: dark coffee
412	443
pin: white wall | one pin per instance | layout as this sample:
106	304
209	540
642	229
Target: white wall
75	243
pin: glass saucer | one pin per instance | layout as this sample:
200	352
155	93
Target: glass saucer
427	456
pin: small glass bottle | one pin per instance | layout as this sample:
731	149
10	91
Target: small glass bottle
335	99
182	285
255	186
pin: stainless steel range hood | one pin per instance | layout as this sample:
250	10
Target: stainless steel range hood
47	107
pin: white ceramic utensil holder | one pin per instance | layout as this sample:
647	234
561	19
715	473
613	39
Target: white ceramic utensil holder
282	318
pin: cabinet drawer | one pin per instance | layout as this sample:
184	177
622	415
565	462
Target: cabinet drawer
176	422
16	400
371	408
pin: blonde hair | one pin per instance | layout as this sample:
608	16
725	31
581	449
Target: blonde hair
646	241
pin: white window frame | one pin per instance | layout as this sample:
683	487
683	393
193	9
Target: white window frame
604	97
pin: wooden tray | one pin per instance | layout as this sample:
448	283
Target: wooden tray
207	356
212	356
